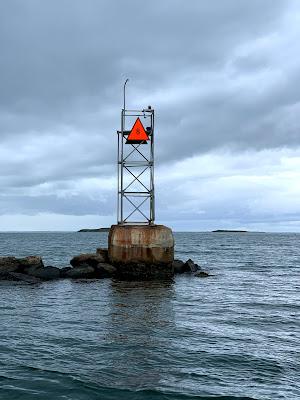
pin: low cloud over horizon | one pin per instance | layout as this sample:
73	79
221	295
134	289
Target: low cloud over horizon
223	78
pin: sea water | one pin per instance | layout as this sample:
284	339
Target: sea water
235	335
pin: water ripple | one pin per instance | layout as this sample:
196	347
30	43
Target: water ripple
234	336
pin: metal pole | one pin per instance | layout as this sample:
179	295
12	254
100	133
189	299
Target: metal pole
121	166
121	155
152	159
118	161
124	95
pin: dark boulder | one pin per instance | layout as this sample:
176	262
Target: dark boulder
63	271
83	272
45	273
8	264
30	263
92	260
86	271
202	274
178	266
190	266
17	276
105	270
103	253
21	265
31	270
6	276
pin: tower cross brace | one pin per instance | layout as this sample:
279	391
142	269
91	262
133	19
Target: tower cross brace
136	200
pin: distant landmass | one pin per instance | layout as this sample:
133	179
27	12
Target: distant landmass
229	230
94	230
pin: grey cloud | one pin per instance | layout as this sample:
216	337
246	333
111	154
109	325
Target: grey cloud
70	205
220	75
56	53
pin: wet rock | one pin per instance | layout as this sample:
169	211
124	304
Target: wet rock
105	270
202	274
5	276
92	260
93	266
8	264
103	253
45	273
136	271
178	266
63	271
17	276
83	272
22	265
30	262
31	270
190	266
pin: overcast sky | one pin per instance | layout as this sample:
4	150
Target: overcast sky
223	77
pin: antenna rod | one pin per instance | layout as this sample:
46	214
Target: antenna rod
124	92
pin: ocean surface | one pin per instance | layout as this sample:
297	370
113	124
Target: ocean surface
235	335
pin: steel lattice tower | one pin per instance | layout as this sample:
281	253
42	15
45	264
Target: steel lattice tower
136	170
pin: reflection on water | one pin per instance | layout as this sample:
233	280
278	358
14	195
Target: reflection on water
141	322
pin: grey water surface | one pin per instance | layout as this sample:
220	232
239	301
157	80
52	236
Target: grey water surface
235	335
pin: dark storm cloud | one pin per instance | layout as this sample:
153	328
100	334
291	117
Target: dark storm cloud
68	58
221	74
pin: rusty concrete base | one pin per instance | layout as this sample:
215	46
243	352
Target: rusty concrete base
141	251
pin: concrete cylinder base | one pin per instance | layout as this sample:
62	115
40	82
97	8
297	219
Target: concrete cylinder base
141	251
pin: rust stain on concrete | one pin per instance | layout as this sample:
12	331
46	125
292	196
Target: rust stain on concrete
148	244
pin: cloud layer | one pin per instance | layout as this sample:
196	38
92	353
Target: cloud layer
222	76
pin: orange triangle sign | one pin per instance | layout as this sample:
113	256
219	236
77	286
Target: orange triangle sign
137	132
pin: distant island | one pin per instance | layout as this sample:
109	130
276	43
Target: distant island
229	230
94	230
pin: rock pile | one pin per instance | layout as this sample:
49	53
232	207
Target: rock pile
29	269
90	266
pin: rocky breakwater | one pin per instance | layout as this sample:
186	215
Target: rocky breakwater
98	265
90	266
29	269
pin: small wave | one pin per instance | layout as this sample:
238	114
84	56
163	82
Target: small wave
71	388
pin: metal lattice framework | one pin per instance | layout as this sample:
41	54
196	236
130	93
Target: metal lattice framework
136	170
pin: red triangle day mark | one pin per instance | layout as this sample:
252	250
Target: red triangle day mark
138	132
